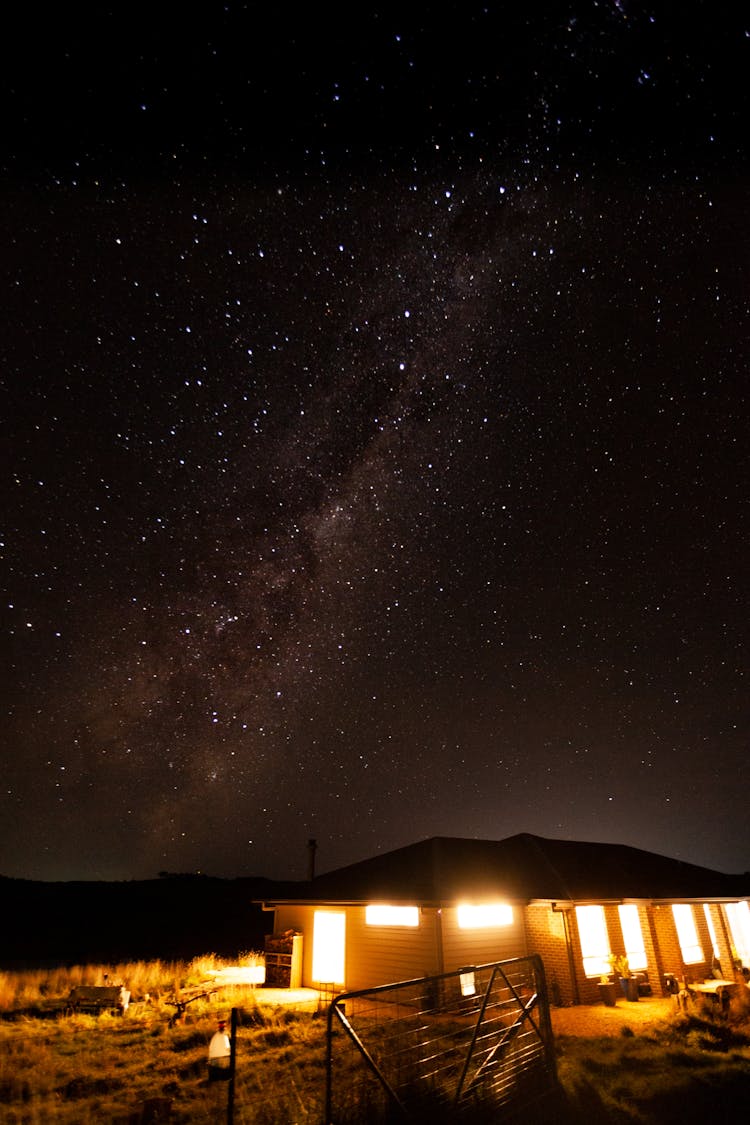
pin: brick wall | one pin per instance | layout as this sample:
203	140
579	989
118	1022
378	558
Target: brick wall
545	935
723	940
669	945
654	970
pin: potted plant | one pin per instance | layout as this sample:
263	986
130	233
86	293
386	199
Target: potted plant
607	991
628	983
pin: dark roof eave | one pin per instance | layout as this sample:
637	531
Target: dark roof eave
267	903
438	904
697	900
423	904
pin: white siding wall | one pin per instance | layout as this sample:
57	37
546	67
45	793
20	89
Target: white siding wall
374	954
478	946
384	954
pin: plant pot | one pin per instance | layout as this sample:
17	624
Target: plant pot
608	994
629	986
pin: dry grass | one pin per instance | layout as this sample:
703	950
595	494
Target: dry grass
77	1070
85	1069
39	990
650	1064
641	1064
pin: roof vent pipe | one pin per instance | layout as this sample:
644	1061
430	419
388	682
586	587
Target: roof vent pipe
312	847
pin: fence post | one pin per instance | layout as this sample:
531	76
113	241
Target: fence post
232	1067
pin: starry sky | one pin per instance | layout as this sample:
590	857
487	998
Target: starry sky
374	458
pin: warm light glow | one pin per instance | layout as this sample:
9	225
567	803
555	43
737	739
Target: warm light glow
592	930
484	915
738	914
381	915
328	947
687	935
632	935
555	923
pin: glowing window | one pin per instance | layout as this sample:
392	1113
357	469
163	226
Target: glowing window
328	947
738	914
592	930
711	930
377	915
485	915
632	935
687	935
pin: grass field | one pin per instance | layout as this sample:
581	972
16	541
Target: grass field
689	1069
145	1067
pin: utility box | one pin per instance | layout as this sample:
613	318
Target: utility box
284	960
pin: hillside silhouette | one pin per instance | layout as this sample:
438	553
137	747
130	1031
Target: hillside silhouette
174	916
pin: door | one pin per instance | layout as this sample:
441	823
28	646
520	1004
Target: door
329	928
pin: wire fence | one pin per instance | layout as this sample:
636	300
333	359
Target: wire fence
445	1048
459	1046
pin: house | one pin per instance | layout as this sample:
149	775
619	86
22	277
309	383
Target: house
445	903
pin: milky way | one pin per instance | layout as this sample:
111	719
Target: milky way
379	490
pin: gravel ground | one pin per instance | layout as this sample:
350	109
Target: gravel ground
596	1020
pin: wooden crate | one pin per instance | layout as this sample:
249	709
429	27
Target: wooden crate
283	960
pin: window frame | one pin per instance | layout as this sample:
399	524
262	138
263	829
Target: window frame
637	957
691	949
484	915
596	962
387	914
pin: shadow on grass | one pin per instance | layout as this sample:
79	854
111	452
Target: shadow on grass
685	1075
717	1097
726	1099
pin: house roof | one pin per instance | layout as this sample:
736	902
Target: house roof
520	868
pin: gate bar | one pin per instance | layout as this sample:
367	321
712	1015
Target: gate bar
366	1055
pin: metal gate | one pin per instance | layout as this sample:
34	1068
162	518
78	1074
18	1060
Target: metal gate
460	1045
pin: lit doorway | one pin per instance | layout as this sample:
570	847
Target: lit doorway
329	928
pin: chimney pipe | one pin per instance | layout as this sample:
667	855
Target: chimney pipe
312	847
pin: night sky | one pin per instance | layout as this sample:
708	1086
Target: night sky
374	458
